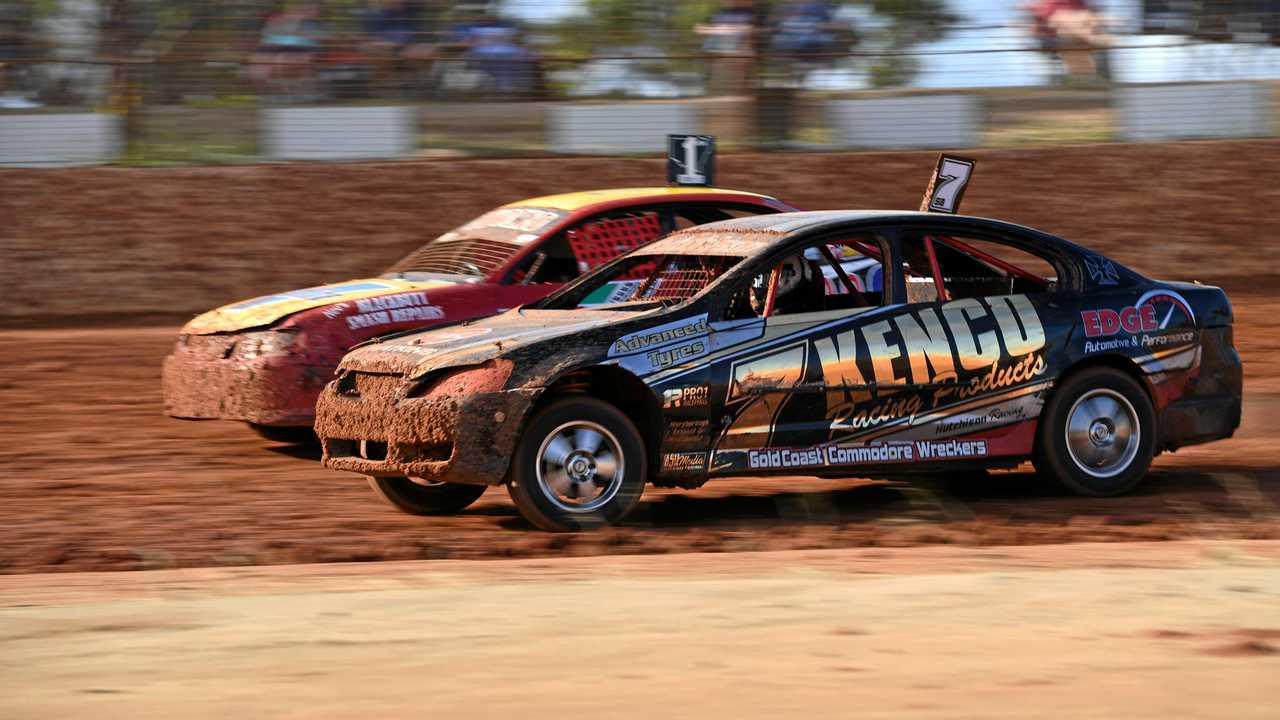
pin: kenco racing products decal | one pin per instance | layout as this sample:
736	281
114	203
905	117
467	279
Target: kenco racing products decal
892	373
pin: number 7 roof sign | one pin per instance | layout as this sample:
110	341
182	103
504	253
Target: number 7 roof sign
946	188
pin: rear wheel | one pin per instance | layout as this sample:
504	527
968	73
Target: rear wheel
580	464
410	497
1097	434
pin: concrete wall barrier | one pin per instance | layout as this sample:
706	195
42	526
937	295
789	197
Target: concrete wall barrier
58	139
1201	110
917	121
622	127
338	133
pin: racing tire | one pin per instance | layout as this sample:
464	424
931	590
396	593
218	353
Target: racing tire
580	464
1097	435
409	497
288	434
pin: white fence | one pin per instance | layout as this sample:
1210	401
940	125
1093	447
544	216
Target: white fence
917	121
611	128
1144	113
338	133
59	140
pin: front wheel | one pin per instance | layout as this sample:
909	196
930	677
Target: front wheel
580	464
410	497
1097	434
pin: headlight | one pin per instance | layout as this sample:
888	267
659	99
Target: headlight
490	376
265	342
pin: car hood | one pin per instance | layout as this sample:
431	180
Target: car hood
476	341
269	309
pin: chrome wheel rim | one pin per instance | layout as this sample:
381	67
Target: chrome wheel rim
1103	433
580	466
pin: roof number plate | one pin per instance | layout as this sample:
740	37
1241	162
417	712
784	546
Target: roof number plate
946	188
691	159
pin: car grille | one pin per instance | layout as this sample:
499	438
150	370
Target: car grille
353	383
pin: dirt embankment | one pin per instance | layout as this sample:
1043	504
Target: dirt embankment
101	243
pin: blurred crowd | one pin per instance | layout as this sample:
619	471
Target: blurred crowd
390	46
77	51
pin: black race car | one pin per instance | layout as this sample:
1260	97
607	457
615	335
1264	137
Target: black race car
870	344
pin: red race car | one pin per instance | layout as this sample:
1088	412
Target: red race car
264	361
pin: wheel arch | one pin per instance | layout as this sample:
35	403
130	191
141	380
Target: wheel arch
1120	363
621	389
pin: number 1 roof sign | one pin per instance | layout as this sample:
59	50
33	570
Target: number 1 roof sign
946	188
691	160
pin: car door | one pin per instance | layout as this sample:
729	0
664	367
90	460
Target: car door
784	395
984	323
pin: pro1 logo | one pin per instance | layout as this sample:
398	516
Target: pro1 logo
691	159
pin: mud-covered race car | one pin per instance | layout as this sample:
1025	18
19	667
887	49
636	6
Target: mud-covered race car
725	352
264	361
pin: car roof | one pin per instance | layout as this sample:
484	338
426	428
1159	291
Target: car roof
760	233
579	200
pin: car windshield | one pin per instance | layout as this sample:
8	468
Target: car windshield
479	247
644	280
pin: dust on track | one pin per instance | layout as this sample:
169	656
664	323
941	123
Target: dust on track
95	478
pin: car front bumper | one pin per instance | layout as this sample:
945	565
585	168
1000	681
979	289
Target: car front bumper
444	436
201	383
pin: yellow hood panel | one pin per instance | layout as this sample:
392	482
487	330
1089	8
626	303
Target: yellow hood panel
270	308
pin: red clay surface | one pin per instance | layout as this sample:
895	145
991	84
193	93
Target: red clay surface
109	244
95	478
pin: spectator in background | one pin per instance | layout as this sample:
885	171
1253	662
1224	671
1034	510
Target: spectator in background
15	50
804	28
291	39
494	49
394	29
728	38
1073	34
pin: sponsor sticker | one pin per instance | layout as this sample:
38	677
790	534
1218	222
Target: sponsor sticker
690	396
687	429
660	335
1139	326
666	357
865	454
684	462
389	309
1101	270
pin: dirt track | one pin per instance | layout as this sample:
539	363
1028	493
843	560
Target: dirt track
1133	630
94	478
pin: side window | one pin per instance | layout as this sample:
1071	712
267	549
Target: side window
590	244
941	266
845	273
